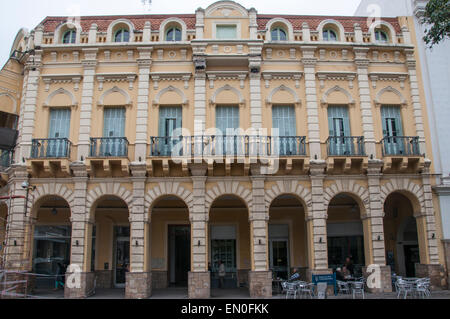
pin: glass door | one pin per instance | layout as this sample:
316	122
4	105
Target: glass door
283	119
170	119
121	255
227	123
113	143
279	258
58	131
224	250
392	129
339	126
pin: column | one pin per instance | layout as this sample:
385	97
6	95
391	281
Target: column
309	62
362	69
139	279
260	278
255	86
316	221
144	62
428	238
89	65
415	97
33	67
374	231
81	250
199	87
199	276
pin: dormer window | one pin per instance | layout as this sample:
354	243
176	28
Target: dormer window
173	34
329	35
69	37
278	34
122	35
381	36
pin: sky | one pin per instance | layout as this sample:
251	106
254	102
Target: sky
29	13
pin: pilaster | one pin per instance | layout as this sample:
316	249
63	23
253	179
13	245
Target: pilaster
255	86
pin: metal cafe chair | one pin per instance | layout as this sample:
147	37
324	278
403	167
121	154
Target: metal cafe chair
290	289
343	287
358	288
404	287
306	289
422	288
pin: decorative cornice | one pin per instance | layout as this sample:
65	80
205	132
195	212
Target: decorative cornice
336	76
282	75
227	75
116	78
156	77
388	76
62	79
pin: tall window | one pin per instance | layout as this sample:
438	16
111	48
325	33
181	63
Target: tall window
392	128
339	127
226	32
278	34
227	121
173	34
329	35
170	119
113	132
381	36
283	119
59	129
69	37
122	35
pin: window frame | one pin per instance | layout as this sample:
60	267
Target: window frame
278	30
224	24
380	32
73	36
174	28
122	36
328	31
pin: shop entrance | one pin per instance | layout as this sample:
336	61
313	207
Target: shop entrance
179	255
121	255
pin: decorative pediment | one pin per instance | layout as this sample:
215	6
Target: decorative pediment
388	76
402	100
227	76
116	78
50	79
170	77
336	76
115	89
283	88
350	101
73	102
157	101
241	100
282	75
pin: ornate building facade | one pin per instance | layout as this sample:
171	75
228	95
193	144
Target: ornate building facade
151	148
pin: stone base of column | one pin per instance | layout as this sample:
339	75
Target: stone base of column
260	284
199	285
104	279
436	273
17	285
385	284
160	280
85	289
138	285
447	259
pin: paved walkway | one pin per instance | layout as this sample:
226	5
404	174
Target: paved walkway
236	294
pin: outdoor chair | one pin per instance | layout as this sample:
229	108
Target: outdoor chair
343	288
404	287
358	288
422	288
290	289
306	289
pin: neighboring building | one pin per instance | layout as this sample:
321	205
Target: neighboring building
345	167
435	67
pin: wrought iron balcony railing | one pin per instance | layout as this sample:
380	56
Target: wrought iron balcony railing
109	147
50	148
6	159
217	146
401	145
346	146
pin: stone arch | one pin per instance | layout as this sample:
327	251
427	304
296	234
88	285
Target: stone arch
72	98
19	40
115	90
66	26
406	187
359	193
170	88
389	89
283	88
337	27
13	101
168	189
224	88
112	189
46	190
111	27
228	188
291	188
281	21
385	26
169	21
337	88
226	5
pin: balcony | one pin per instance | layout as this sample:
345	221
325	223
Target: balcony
109	147
221	146
400	146
50	148
346	146
6	159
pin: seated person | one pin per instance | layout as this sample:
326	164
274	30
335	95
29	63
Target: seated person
295	275
339	275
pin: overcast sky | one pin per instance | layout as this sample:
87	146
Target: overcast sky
29	13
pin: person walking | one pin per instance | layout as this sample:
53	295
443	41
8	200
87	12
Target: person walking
60	275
